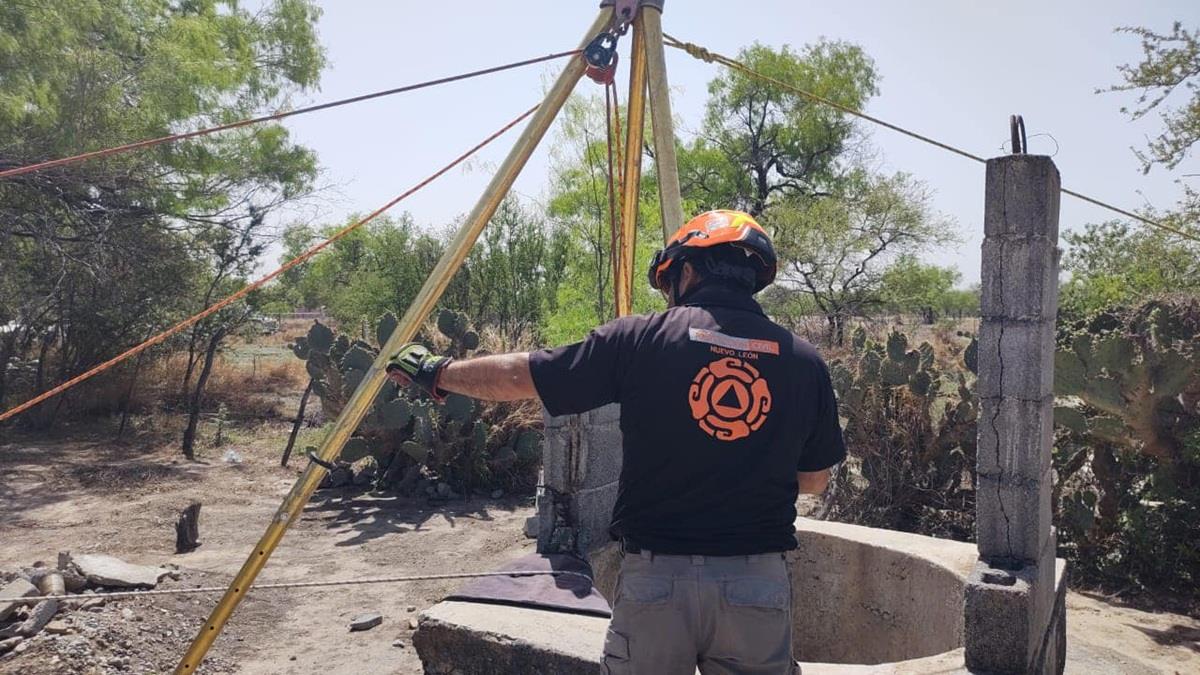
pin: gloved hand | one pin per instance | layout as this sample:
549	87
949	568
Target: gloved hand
415	364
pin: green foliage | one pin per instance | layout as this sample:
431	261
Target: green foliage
1129	369
1170	65
835	249
909	286
759	145
1115	264
583	297
508	281
128	244
910	431
404	428
1128	465
376	269
1169	61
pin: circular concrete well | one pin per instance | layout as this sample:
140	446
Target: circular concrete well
861	597
868	596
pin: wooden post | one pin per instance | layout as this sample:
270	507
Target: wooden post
631	187
187	529
287	452
669	194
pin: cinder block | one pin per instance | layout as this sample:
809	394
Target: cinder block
1012	516
1014	619
604	414
999	623
1015	437
1016	358
600	458
1020	279
562	438
592	511
1021	197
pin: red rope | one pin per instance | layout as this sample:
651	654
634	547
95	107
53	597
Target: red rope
303	257
96	154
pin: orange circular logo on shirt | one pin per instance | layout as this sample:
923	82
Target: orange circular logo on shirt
729	399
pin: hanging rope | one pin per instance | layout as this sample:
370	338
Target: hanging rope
96	154
298	584
698	52
225	302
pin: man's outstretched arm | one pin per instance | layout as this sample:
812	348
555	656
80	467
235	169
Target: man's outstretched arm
501	377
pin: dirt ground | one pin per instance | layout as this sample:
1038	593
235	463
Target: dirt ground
122	499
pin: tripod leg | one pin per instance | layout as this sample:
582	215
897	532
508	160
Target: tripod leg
359	404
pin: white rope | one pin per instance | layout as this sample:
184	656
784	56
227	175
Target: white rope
297	584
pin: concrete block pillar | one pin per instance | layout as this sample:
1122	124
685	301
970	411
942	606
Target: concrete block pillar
1010	598
581	468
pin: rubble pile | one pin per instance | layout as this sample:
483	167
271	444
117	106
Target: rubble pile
90	632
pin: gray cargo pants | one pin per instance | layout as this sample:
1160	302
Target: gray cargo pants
725	615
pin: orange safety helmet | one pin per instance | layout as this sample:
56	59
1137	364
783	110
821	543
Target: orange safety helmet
717	228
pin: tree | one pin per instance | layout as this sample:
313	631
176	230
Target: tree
507	282
578	207
910	286
1114	263
232	254
835	248
1171	64
760	145
106	251
377	268
513	273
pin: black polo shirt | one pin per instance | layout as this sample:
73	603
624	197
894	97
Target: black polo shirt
720	407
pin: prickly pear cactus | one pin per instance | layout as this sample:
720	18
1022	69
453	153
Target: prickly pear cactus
1131	377
405	425
457	327
910	430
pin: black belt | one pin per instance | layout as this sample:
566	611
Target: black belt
630	546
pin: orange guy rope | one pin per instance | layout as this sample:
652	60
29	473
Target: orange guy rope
303	257
96	154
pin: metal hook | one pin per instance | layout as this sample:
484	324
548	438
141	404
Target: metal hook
1016	127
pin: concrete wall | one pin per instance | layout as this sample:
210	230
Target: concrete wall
581	467
869	596
890	602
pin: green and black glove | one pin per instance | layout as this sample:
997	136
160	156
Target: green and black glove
415	363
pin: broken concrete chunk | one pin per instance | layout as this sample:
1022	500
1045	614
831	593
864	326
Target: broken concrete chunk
57	627
531	527
366	621
52	584
105	570
38	618
8	645
17	588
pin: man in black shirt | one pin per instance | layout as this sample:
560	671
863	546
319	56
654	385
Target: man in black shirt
725	418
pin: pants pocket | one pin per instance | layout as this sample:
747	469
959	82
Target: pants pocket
644	590
765	594
616	654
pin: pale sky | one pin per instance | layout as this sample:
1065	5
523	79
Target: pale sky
951	69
